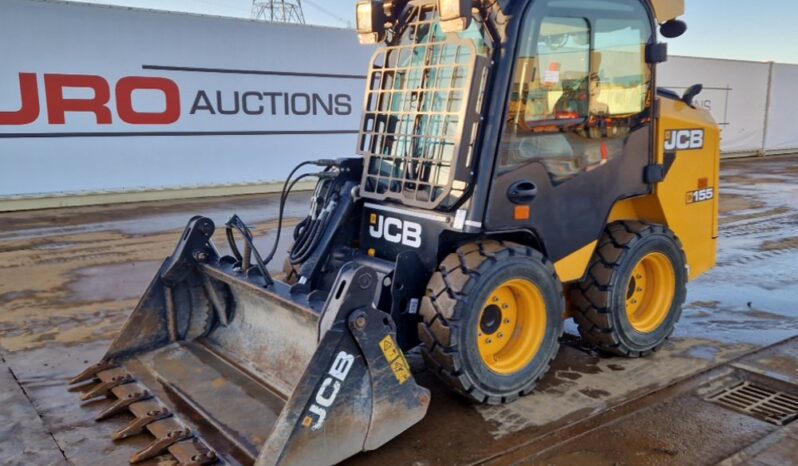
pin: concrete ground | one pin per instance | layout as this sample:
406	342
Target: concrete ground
69	278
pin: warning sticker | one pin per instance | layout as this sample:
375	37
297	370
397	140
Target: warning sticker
395	359
551	77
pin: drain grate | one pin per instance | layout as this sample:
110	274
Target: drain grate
760	402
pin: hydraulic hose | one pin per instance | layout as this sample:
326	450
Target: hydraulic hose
235	222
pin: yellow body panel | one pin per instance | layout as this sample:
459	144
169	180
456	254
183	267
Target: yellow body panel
573	267
667	9
694	170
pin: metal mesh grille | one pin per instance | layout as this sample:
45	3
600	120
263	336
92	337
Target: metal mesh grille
415	112
761	402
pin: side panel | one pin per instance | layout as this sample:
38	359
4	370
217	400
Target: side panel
687	200
571	215
388	230
573	267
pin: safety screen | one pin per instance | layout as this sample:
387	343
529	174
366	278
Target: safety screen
415	112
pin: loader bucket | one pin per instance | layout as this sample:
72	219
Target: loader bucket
216	367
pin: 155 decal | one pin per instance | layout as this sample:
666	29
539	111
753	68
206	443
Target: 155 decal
700	195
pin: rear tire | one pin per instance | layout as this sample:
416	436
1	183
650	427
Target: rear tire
492	320
632	295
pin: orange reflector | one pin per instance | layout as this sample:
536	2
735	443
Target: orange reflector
372	251
522	212
373	219
703	183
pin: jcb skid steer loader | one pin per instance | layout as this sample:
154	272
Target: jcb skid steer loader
518	167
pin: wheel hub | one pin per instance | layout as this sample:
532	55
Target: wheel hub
491	319
649	294
511	326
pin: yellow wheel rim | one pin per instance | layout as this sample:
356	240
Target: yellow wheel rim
511	326
649	293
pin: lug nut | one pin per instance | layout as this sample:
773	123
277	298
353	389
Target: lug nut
506	321
505	306
501	335
489	341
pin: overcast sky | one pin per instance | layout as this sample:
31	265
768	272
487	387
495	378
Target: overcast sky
760	30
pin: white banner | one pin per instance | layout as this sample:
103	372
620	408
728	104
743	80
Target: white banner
782	127
96	98
734	91
106	99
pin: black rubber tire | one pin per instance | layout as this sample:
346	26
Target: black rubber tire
599	300
452	306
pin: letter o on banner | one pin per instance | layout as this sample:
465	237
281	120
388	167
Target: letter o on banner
124	100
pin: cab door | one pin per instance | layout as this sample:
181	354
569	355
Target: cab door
579	122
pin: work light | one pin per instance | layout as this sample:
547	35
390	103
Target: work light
455	15
370	21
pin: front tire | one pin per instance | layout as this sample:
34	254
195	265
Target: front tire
632	295
492	320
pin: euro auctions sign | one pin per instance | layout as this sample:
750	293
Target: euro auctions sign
96	98
159	101
57	104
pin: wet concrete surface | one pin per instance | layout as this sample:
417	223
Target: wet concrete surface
69	278
23	436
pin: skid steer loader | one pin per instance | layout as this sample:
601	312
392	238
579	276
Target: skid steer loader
518	167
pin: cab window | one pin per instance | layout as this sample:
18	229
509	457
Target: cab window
580	85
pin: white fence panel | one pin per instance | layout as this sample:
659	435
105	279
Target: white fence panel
782	125
734	91
223	101
106	99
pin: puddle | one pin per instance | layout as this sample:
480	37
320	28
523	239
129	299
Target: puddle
112	282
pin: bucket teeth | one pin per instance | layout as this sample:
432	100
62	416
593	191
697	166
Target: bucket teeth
166	432
126	395
91	372
108	379
192	453
145	412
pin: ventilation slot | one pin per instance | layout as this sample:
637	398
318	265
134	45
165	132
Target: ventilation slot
760	402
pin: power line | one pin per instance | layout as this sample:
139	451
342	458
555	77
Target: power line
329	13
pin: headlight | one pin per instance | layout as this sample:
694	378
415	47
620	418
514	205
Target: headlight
370	18
455	15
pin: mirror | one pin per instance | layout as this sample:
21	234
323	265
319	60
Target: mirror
691	93
673	28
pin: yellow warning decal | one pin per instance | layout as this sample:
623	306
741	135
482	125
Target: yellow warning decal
395	359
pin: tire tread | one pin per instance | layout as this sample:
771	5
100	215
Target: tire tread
591	296
443	305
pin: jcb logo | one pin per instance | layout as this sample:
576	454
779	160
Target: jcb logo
395	231
325	395
684	139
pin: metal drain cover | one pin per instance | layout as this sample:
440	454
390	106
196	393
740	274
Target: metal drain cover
758	401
